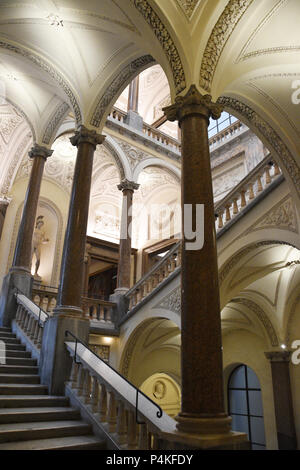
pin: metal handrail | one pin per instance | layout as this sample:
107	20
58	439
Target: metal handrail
159	413
40	309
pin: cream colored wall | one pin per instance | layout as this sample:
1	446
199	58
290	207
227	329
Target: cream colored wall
56	198
242	347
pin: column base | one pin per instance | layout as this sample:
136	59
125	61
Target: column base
55	363
186	441
190	423
17	278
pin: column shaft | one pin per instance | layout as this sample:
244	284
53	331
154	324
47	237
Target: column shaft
133	95
201	349
3	208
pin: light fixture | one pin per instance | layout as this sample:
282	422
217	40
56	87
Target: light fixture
283	346
107	339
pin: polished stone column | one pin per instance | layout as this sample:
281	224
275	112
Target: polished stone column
4	202
283	402
19	275
23	250
72	265
55	361
203	410
133	95
124	266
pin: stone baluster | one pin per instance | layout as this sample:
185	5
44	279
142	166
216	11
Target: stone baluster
251	191
243	198
132	430
112	412
228	214
95	395
143	442
80	380
268	176
102	407
235	207
121	423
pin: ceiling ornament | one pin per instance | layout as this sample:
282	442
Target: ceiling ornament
41	63
166	42
115	88
218	39
54	122
262	317
188	7
22	150
257	123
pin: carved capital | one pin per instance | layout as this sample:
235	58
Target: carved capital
193	103
279	356
84	135
4	200
40	151
129	185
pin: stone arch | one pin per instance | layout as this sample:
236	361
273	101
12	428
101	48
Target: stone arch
119	157
158	163
32	130
54	123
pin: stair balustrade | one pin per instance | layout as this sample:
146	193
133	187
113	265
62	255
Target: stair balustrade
45	297
97	310
129	418
31	319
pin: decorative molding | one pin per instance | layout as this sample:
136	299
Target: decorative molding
41	63
40	151
127	185
271	136
291	318
86	136
165	40
282	217
54	122
218	39
261	316
116	86
18	156
109	146
188	7
171	302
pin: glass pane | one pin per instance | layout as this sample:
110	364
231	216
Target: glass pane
240	424
238	401
223	124
257	430
255	403
237	379
253	381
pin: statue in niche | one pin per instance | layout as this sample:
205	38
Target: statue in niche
159	390
39	239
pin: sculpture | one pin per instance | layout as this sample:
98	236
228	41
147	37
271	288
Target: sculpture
38	240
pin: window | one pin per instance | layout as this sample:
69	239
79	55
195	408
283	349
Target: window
245	405
217	126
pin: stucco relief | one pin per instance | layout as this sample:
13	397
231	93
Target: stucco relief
188	7
171	302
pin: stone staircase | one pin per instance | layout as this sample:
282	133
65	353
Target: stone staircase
31	419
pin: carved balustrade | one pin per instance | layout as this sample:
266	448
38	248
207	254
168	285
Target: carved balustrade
31	319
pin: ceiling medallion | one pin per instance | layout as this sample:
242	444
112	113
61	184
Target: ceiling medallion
54	20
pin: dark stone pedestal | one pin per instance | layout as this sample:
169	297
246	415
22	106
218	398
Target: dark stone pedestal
133	119
55	364
15	279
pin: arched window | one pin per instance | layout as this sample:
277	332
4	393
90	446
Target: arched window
245	405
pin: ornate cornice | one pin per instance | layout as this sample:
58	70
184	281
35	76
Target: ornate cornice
54	122
221	33
193	103
262	317
40	151
165	40
128	185
84	135
114	89
273	139
41	63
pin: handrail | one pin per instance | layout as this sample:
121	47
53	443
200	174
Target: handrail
42	287
153	269
37	306
159	413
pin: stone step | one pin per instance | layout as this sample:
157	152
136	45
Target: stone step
43	430
10	340
15	347
5	329
23	401
62	443
24	389
19	379
25	415
19	361
7	334
7	369
22	354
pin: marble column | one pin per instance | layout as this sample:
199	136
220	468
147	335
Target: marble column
4	202
283	402
20	273
133	95
124	266
203	410
23	250
55	361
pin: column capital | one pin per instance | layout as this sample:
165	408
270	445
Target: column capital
5	200
130	185
193	103
84	135
278	356
40	151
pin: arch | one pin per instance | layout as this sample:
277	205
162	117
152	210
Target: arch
10	101
116	85
54	122
120	158
50	70
268	135
153	161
